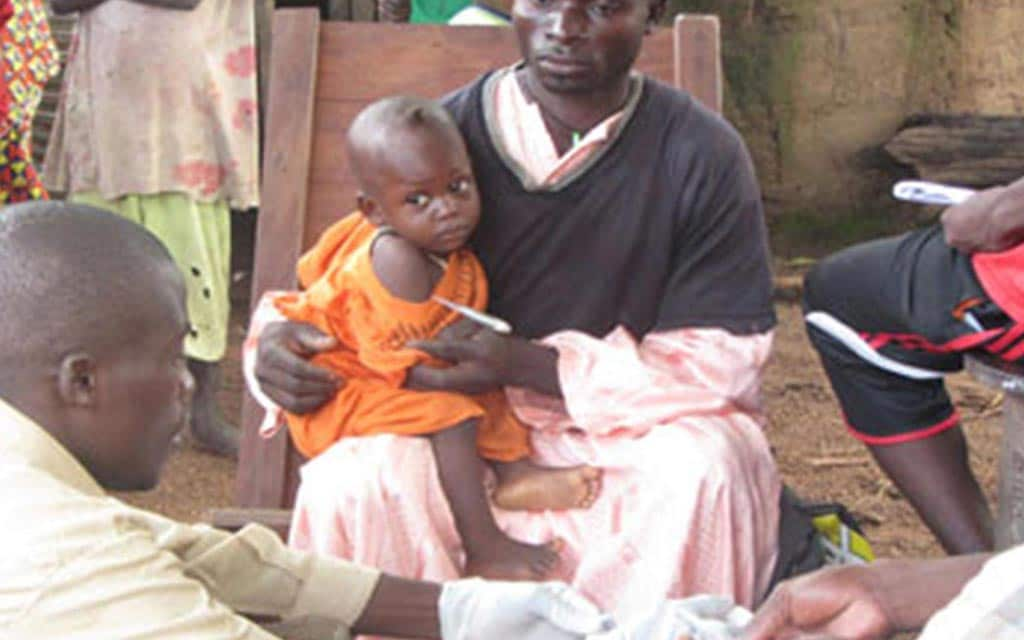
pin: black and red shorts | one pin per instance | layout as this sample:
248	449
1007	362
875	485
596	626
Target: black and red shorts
890	318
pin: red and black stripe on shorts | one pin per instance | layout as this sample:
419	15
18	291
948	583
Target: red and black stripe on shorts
889	319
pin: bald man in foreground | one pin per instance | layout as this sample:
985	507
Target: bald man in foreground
93	387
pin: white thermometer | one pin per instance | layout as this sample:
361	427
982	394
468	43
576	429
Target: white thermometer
494	324
923	192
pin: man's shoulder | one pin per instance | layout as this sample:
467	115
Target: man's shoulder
402	268
47	509
57	527
685	115
688	133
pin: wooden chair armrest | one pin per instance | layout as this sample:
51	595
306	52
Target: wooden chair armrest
233	519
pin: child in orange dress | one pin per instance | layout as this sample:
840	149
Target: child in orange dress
371	281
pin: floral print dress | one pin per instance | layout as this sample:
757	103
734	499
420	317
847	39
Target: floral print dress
160	101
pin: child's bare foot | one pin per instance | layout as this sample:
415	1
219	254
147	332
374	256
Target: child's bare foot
524	486
507	559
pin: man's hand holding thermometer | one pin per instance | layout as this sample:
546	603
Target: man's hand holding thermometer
987	221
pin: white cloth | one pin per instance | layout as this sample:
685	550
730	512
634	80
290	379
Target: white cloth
991	606
476	609
703	617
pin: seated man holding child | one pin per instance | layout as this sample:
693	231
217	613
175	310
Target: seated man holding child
622	236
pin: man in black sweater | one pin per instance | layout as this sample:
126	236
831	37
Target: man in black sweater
623	238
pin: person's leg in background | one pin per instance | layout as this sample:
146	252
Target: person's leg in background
935	475
198	236
896	403
913	432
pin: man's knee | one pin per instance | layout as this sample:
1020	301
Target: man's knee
818	282
716	452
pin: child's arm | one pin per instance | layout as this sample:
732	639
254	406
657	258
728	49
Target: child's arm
404	269
382	328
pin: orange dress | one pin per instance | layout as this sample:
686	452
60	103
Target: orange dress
344	298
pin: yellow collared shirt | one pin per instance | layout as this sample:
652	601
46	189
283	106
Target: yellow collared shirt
76	564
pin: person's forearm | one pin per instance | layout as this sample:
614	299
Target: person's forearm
401	608
534	366
61	7
912	591
1009	212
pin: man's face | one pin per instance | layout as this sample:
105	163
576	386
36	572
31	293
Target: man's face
580	46
143	393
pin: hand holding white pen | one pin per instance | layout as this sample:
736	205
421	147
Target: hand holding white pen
990	220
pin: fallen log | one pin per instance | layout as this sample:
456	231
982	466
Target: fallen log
967	150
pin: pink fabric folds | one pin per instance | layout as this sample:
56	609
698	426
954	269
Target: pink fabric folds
690	494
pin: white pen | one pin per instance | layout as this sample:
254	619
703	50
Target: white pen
923	192
494	324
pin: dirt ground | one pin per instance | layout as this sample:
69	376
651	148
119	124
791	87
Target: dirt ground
814	452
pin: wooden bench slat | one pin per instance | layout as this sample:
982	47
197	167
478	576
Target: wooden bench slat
265	478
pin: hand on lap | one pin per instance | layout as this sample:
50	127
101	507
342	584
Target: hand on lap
283	370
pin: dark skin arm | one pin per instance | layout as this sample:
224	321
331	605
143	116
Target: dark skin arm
482	359
283	369
401	608
404	269
863	602
992	220
485	361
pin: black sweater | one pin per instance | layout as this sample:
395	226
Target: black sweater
665	230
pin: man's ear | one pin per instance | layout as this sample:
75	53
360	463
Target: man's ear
656	10
369	208
76	380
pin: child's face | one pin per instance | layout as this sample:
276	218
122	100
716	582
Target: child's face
425	190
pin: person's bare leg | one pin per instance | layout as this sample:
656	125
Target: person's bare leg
526	486
207	426
935	476
489	552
